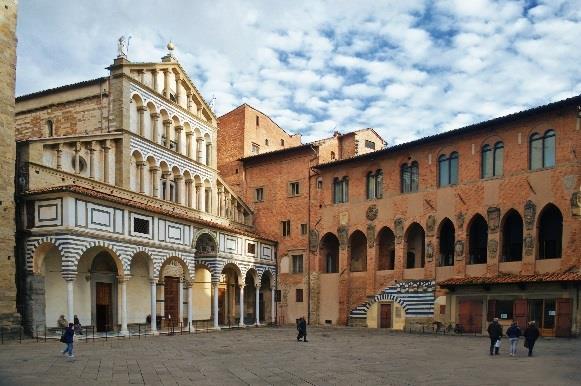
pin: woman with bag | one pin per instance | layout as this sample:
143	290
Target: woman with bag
513	334
495	333
68	338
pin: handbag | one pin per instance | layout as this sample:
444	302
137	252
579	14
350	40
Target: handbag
497	344
63	340
526	344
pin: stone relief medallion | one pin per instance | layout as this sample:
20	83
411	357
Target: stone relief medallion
313	240
492	248
576	203
431	225
429	251
530	212
460	217
399	230
459	249
372	212
529	242
370	235
342	232
493	214
570	182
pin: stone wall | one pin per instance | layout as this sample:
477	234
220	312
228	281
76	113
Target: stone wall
8	313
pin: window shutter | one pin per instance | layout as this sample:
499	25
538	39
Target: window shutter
564	317
491	310
520	312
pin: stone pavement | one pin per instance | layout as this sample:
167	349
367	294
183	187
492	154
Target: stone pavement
272	356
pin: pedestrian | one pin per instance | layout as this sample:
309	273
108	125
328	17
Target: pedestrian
495	333
513	334
302	329
68	338
78	327
531	334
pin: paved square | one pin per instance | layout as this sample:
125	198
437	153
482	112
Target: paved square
273	356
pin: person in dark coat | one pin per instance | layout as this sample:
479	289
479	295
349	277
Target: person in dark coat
302	329
78	326
495	333
68	338
531	335
513	334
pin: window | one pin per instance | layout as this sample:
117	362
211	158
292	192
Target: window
299	295
375	185
277	296
49	128
410	177
542	150
259	195
294	189
340	190
332	155
550	233
266	142
285	225
257	121
82	164
492	160
141	225
297	263
208	153
303	229
503	309
282	142
319	183
255	148
370	144
251	248
448	169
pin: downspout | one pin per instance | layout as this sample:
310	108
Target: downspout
316	157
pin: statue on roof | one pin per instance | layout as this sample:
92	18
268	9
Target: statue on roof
123	46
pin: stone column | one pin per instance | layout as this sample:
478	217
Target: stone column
220	193
161	297
272	305
92	160
59	156
77	158
141	170
154	128
178	90
199	145
70	300
154	79
141	110
123	289
189	135
165	175
178	130
181	301
166	83
179	194
215	309
241	322
154	181
106	147
167	127
189	285
257	286
141	76
190	102
153	310
199	197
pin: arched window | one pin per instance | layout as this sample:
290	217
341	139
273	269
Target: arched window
385	249
375	185
415	246
340	190
329	253
492	160
550	233
477	240
446	243
282	142
448	169
512	237
358	252
332	155
542	150
50	128
410	176
266	140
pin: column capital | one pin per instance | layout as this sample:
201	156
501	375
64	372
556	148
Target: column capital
178	178
59	147
106	145
153	281
189	181
257	286
69	277
166	173
141	163
155	115
199	139
142	109
178	127
241	286
167	121
154	168
189	133
123	279
199	185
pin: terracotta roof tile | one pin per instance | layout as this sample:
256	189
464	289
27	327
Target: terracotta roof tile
138	205
511	279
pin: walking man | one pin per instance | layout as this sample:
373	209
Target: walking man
513	334
531	334
302	329
495	333
67	338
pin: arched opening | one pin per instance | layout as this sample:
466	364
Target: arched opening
138	288
357	252
512	237
385	249
477	240
49	287
550	228
446	240
415	246
229	295
205	246
329	254
104	282
267	304
250	282
173	274
202	294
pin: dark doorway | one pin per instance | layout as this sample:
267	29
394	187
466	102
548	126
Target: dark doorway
385	250
550	233
358	252
104	306
447	239
415	246
222	306
385	316
512	237
171	300
478	240
329	254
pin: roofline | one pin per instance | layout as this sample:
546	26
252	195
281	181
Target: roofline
279	151
58	89
460	131
266	115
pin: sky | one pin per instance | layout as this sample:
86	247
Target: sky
405	68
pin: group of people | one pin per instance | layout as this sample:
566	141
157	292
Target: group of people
513	333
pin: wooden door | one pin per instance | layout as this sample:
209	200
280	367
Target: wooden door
470	315
222	306
564	317
520	310
171	300
104	306
385	315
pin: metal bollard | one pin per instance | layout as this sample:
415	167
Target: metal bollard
20	334
45	333
139	331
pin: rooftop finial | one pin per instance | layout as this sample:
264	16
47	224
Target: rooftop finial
170	46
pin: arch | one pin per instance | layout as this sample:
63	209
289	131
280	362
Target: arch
357	252
512	236
147	259
40	252
98	247
179	260
385	249
135	104
329	253
205	243
477	239
251	272
446	240
550	233
415	239
234	268
267	277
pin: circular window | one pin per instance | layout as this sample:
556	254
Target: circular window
82	164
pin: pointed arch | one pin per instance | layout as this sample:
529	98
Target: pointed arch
550	232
